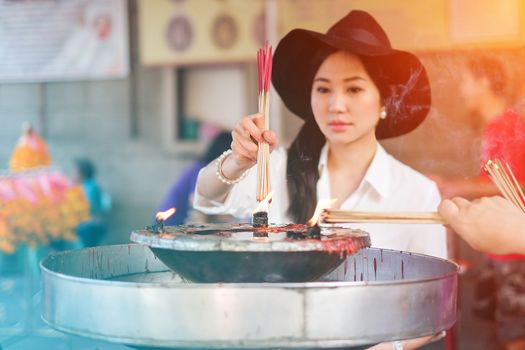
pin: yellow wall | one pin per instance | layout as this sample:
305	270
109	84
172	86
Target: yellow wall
419	24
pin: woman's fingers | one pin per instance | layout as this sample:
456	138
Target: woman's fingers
248	149
251	127
247	135
270	137
243	138
258	120
243	145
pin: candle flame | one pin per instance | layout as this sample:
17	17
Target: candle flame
164	215
263	205
321	205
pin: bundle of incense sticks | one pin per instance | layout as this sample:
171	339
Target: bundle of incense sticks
264	65
341	216
504	179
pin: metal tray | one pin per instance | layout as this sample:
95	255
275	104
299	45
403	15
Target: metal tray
124	294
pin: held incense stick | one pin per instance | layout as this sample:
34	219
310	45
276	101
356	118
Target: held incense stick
500	174
264	68
341	216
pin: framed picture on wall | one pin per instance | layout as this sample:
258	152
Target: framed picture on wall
193	32
44	41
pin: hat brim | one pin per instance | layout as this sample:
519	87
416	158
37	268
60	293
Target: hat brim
293	73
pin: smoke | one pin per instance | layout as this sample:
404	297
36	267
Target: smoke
397	101
448	142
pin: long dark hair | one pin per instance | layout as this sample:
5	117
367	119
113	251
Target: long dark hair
302	171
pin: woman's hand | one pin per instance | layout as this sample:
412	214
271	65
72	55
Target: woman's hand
246	136
488	224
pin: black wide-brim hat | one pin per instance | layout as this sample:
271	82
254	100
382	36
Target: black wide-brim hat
297	59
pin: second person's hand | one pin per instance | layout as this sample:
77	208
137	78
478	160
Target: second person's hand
488	224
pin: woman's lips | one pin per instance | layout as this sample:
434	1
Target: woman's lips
339	126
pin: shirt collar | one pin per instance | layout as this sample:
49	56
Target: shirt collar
377	174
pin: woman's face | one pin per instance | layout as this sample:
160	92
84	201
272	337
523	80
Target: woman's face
345	101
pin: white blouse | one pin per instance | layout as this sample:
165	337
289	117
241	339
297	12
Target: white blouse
388	186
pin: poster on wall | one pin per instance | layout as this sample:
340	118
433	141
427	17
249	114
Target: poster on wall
182	32
47	40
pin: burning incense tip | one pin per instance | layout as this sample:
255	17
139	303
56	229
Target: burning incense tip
164	215
264	204
321	205
314	231
160	217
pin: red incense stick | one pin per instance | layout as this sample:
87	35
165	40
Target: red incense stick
264	68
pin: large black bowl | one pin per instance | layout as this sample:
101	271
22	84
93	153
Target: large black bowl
212	254
218	266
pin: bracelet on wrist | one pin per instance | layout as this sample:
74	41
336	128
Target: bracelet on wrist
397	345
220	175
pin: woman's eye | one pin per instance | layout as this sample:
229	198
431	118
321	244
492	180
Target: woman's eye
322	89
354	89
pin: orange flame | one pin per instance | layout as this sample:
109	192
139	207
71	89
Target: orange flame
164	215
263	205
321	205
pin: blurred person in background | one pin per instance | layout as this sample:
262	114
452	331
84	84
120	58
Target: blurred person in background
180	194
91	232
500	293
482	89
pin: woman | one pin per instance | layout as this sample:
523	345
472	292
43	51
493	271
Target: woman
351	88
